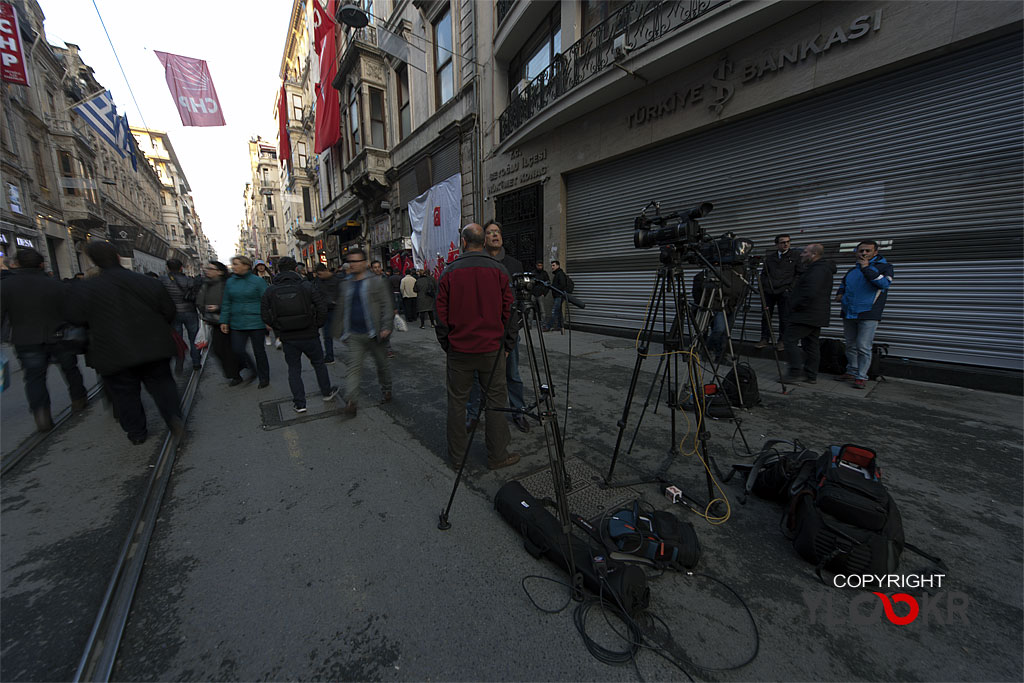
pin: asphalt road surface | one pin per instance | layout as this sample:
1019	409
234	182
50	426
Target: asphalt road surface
306	547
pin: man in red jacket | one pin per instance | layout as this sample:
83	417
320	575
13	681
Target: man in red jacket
474	303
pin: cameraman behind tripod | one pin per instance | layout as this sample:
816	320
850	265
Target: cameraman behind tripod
721	299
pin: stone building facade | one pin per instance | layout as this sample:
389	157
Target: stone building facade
832	122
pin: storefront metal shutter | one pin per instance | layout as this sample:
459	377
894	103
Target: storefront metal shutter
445	163
928	157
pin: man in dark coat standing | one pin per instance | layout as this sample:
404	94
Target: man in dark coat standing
777	279
129	317
34	305
809	305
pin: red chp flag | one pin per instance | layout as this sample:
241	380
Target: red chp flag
192	90
12	57
284	143
327	124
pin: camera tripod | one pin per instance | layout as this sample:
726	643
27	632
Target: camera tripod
772	339
526	311
669	302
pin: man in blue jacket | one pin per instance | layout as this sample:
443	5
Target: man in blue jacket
863	292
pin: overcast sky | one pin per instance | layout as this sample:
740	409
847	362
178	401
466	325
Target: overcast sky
241	41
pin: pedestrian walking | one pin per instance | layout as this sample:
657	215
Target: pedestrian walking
240	317
296	310
130	344
34	307
326	283
209	304
560	281
426	290
183	290
363	320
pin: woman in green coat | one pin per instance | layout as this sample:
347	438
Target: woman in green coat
240	316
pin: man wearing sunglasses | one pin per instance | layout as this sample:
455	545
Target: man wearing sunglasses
863	293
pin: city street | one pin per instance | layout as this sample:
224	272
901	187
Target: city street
306	547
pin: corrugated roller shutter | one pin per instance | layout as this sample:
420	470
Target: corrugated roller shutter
407	188
929	157
445	163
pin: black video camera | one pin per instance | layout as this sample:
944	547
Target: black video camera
680	227
727	250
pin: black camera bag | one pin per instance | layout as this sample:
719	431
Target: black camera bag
622	583
841	518
747	386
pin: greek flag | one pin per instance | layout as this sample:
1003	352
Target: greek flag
101	113
128	142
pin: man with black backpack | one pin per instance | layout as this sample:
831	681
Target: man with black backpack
297	310
183	290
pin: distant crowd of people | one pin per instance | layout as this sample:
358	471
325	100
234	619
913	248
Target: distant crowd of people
131	326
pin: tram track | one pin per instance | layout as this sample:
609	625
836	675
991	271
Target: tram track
97	657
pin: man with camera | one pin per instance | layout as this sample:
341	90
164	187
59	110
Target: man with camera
863	292
777	279
808	313
474	304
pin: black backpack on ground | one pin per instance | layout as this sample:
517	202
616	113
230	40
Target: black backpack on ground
291	307
841	517
774	470
659	537
833	356
878	352
747	386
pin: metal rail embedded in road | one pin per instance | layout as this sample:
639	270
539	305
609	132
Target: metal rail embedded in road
37	438
97	660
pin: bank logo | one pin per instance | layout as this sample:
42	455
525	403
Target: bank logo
721	82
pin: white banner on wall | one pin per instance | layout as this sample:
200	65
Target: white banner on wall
435	218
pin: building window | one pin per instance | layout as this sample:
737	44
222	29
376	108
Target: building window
67	172
377	138
444	70
270	203
595	12
404	108
300	149
353	120
37	156
537	52
273	246
271	222
296	107
307	206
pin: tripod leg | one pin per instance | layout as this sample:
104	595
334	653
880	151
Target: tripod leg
647	402
644	339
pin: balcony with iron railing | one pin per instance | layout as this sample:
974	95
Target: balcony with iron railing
355	39
635	26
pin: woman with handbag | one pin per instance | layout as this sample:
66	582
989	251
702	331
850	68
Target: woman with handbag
209	301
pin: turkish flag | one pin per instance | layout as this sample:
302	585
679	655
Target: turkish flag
192	90
284	143
327	124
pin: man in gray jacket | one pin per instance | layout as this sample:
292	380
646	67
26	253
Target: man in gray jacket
364	320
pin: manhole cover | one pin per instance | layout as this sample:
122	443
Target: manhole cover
586	498
279	413
618	343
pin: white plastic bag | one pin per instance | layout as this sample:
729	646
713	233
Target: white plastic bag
400	324
202	339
